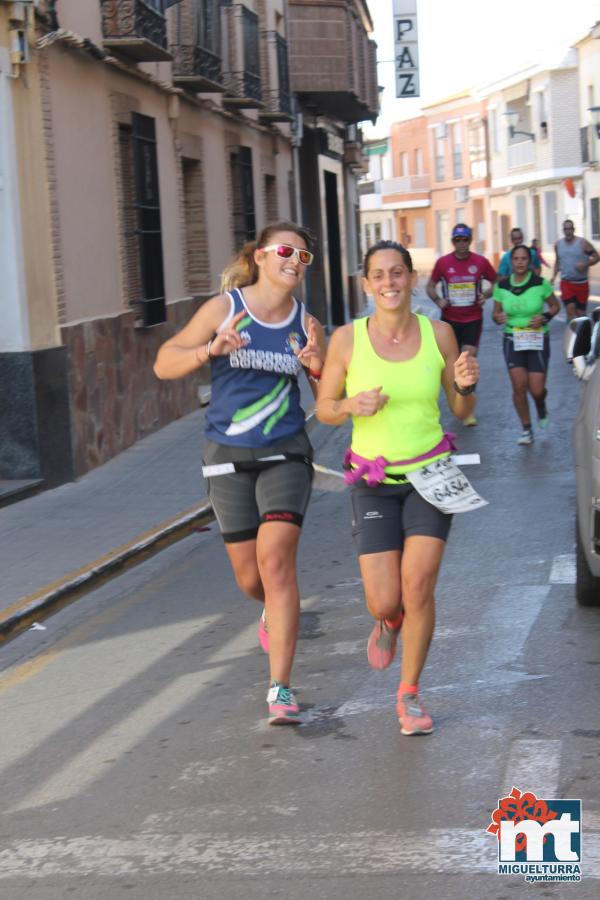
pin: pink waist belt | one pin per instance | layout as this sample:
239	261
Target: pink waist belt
374	469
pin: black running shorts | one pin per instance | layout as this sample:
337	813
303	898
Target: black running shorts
242	501
467	333
383	516
532	360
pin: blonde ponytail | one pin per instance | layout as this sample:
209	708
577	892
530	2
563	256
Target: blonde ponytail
242	270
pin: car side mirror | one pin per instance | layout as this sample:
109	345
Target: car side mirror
596	314
577	338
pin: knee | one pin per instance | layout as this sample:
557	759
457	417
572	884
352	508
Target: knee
383	605
249	582
520	390
276	567
417	590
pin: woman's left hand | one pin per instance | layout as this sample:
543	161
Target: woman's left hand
311	355
537	321
466	370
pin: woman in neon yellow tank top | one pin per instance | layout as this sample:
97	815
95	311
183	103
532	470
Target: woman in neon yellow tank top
385	372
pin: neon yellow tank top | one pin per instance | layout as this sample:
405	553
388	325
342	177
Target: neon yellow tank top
409	423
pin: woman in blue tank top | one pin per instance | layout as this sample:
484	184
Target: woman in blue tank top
257	339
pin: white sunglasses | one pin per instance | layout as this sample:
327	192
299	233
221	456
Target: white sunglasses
286	251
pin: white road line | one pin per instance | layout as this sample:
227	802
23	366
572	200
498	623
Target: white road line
563	569
116	661
83	768
451	850
534	766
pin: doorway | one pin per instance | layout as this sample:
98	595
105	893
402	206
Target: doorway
334	245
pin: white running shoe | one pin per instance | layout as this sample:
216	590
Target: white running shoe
526	437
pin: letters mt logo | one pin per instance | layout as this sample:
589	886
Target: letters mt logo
540	839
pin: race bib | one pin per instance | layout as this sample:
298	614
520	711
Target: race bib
528	339
443	485
461	293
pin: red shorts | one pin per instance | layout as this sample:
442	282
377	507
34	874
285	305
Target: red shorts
576	292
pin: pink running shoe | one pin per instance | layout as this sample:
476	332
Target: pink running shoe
263	634
381	647
283	708
412	716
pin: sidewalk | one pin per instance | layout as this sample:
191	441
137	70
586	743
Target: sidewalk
56	545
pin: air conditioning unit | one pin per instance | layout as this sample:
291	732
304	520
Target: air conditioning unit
461	194
441	130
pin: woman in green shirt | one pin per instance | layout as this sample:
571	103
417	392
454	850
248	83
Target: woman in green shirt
519	306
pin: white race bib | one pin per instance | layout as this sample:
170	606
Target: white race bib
443	485
461	293
528	339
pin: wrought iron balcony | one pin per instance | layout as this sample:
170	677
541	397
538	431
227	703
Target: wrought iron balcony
241	64
278	100
243	90
136	29
197	69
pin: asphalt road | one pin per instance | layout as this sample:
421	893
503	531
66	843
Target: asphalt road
135	757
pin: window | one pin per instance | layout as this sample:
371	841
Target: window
377	232
142	237
271	208
442	228
196	239
542	115
439	158
477	155
244	219
459	214
418	161
457	167
521	213
404	164
550	215
495	129
419	229
595	217
208	25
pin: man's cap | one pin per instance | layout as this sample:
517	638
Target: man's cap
461	231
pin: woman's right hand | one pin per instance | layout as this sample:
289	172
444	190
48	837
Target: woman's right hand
229	339
367	403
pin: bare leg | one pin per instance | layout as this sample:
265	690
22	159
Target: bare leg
381	580
536	382
472	351
421	561
518	377
276	548
243	560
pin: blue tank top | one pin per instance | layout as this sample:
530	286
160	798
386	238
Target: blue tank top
255	398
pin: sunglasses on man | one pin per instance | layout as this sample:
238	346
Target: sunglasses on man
286	251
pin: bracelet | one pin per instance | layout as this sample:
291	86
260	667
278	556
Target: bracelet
464	392
206	347
314	376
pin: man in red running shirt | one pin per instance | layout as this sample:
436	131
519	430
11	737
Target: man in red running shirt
461	274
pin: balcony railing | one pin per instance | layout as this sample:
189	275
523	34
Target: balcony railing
521	154
404	184
197	69
241	76
136	29
278	101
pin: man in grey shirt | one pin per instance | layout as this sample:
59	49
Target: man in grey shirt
574	256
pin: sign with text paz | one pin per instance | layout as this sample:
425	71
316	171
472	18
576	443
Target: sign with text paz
406	48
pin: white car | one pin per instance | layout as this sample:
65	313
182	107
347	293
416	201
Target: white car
582	348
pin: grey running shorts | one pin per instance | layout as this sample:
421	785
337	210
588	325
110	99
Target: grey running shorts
242	501
383	516
532	360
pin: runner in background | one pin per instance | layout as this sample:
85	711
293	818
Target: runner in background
385	372
257	339
574	256
535	249
461	274
519	306
517	240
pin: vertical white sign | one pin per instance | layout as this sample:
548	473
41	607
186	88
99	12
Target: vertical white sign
406	48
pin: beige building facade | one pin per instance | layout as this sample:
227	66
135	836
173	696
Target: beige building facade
143	143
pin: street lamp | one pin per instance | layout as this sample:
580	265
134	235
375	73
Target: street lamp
594	112
512	119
